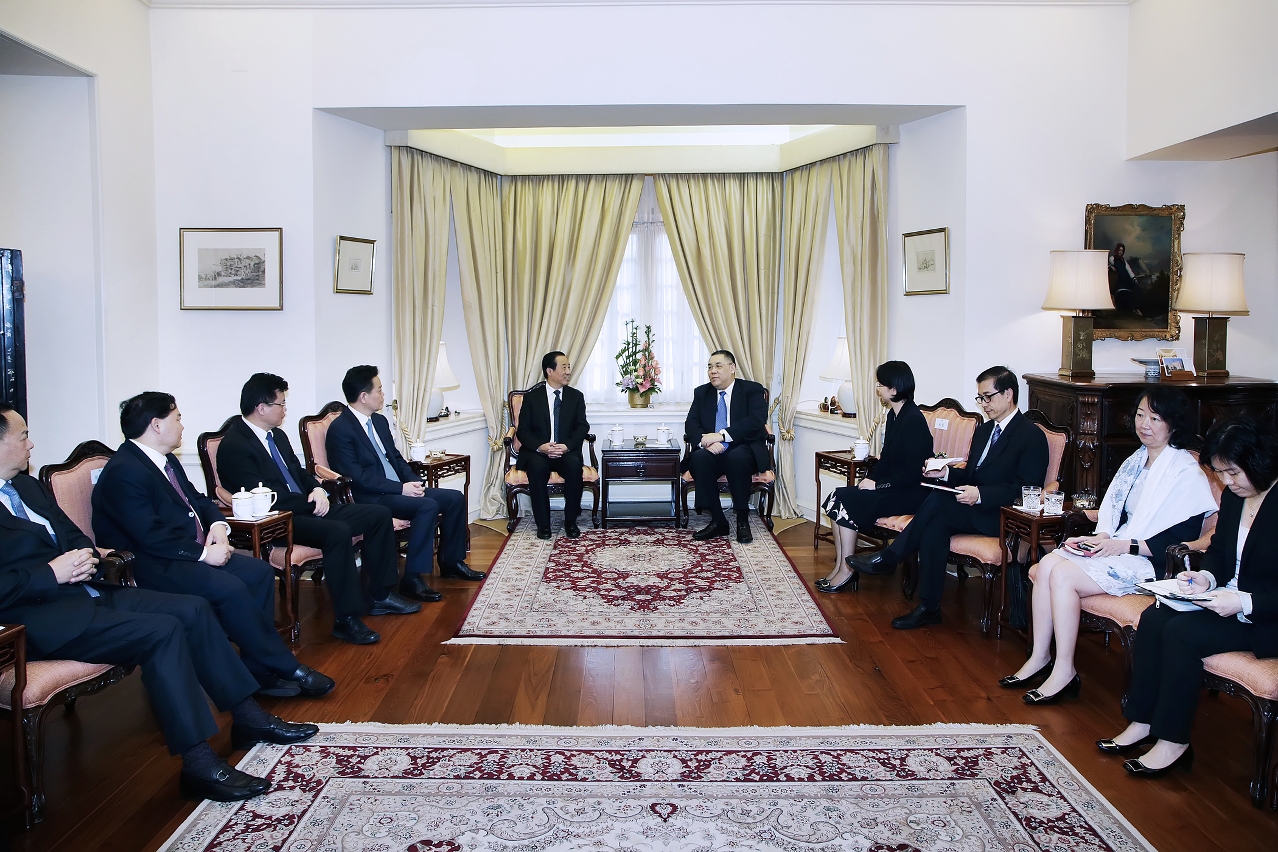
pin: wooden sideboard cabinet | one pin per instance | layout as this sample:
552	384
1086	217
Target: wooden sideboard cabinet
1099	414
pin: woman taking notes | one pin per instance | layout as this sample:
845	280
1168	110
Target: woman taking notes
1239	576
1158	497
892	485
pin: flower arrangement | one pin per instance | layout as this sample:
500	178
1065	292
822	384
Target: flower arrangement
637	362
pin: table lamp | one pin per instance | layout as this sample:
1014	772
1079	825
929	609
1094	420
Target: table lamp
1079	284
1212	284
444	381
840	370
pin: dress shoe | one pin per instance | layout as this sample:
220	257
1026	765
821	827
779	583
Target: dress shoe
920	616
571	529
744	535
877	564
462	571
1111	747
277	731
274	686
226	784
394	604
312	684
850	583
1140	770
414	587
1014	682
543	534
1070	690
712	530
351	629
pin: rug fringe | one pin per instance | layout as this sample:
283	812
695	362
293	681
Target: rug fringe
653	642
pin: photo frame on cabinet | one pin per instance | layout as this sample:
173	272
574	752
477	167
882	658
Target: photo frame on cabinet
231	269
354	265
926	262
1144	269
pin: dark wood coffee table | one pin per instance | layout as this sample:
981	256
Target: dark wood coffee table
628	463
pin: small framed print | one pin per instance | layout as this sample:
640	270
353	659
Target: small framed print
353	268
231	269
926	259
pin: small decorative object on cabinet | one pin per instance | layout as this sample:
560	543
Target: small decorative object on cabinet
840	370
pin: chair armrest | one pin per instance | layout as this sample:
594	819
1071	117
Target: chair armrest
117	568
594	460
1077	523
339	489
1179	558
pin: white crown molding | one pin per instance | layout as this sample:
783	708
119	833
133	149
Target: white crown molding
518	4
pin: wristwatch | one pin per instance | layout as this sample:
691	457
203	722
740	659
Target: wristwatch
1134	550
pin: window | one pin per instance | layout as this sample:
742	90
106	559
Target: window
649	291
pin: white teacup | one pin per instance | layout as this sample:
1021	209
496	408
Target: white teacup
417	451
663	435
263	499
860	449
242	505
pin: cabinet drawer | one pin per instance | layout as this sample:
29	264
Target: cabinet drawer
645	469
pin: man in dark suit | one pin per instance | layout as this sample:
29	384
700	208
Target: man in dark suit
1008	452
256	452
360	446
727	424
552	426
48	582
144	503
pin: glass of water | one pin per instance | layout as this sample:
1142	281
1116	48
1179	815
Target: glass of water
1031	498
1054	503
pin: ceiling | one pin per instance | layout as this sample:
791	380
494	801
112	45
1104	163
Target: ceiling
1258	136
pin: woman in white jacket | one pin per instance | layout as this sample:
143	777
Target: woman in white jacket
1159	497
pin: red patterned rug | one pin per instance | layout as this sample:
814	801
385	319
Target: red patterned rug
402	788
643	586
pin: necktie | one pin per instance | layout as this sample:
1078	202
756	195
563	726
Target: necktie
998	430
721	413
554	427
15	501
279	461
199	527
381	453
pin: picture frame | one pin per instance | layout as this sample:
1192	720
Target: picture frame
231	269
1144	269
354	265
925	260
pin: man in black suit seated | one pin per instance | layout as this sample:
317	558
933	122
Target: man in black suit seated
144	503
360	446
1008	452
48	583
552	426
727	424
256	452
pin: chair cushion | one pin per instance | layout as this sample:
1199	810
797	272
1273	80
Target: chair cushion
896	523
516	477
767	477
46	678
1124	610
1259	677
301	555
983	548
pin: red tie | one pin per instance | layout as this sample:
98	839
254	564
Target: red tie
199	527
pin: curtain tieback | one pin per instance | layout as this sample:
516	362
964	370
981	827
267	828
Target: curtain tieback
787	434
497	444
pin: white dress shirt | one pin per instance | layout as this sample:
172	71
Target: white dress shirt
259	432
30	514
550	406
161	462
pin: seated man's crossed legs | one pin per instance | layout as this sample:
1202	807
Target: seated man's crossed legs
438	508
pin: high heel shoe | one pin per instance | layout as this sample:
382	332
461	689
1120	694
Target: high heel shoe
853	581
1070	690
1111	747
1012	681
1140	770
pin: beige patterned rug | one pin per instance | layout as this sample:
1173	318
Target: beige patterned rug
510	788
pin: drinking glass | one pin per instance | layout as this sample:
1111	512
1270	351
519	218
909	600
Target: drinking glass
1031	497
1054	503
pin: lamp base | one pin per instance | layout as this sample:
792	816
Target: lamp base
1209	345
1076	348
436	403
847	399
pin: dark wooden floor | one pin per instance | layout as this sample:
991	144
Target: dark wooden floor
113	786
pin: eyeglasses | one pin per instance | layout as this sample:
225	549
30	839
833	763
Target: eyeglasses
280	404
984	398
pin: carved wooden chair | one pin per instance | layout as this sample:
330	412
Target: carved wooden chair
763	483
517	481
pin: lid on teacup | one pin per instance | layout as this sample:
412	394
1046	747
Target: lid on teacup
260	489
241	494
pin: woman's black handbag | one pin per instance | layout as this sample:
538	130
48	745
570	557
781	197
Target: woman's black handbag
1018	593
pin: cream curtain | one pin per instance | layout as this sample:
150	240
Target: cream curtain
725	232
860	210
419	201
807	216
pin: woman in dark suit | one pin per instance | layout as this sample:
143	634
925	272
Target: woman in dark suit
892	486
1238	575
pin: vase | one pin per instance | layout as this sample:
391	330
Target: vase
636	399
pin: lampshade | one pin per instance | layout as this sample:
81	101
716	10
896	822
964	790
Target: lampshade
840	367
444	378
1079	282
1213	284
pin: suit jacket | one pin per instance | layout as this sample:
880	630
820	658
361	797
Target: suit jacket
29	592
352	453
1018	459
135	508
907	444
243	462
534	420
1258	573
749	415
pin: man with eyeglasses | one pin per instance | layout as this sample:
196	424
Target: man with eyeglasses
1008	452
256	451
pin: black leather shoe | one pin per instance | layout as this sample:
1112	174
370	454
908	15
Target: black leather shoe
274	686
1140	770
744	535
462	571
713	530
1070	690
1111	747
312	684
544	535
414	587
877	564
227	784
851	582
394	604
917	617
1013	682
278	732
571	529
351	629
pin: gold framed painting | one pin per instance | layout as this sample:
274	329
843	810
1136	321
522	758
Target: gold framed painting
1144	269
925	257
231	269
354	265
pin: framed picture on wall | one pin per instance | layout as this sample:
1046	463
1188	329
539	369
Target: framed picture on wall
353	268
926	258
1144	269
231	269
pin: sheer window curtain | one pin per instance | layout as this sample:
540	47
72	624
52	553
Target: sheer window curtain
649	291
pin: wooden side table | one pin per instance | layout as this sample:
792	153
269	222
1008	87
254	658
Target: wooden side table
436	468
628	463
841	463
13	652
253	536
1016	526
